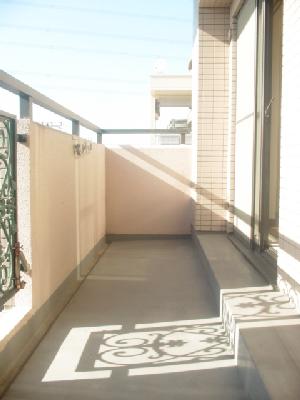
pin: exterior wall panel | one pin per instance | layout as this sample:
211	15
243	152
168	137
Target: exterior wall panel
289	207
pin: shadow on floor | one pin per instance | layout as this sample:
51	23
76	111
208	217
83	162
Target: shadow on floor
142	325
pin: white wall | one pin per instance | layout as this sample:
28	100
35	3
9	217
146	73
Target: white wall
289	207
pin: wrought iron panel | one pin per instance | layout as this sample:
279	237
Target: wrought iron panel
8	207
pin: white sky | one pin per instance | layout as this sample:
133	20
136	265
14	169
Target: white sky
94	57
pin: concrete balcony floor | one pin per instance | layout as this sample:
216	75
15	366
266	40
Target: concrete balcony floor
143	325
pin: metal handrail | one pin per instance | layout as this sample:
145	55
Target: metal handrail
144	131
177	131
29	96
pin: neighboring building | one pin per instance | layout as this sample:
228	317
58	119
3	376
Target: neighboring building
173	92
246	105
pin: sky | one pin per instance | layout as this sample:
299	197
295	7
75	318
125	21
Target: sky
95	57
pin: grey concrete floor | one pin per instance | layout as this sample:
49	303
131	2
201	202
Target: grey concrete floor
143	325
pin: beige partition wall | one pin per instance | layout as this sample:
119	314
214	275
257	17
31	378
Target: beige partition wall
67	207
52	211
91	208
148	190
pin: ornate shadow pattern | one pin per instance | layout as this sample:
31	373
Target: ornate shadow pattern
253	306
95	352
181	344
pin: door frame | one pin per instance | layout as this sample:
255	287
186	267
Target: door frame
262	130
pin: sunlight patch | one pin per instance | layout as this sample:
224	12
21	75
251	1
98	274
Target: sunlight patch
95	352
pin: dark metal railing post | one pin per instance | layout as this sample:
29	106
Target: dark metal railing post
99	137
75	128
25	106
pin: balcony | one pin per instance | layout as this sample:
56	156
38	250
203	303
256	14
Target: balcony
121	296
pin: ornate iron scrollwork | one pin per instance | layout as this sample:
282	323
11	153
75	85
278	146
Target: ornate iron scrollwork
8	206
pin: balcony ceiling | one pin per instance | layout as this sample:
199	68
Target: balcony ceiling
215	3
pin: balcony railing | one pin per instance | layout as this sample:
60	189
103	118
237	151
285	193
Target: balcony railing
181	136
29	96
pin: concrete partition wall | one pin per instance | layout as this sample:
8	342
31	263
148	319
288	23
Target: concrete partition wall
67	208
148	190
53	211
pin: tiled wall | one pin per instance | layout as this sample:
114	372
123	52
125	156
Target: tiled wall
212	120
216	136
289	214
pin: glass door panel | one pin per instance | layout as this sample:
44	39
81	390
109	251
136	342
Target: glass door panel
267	129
